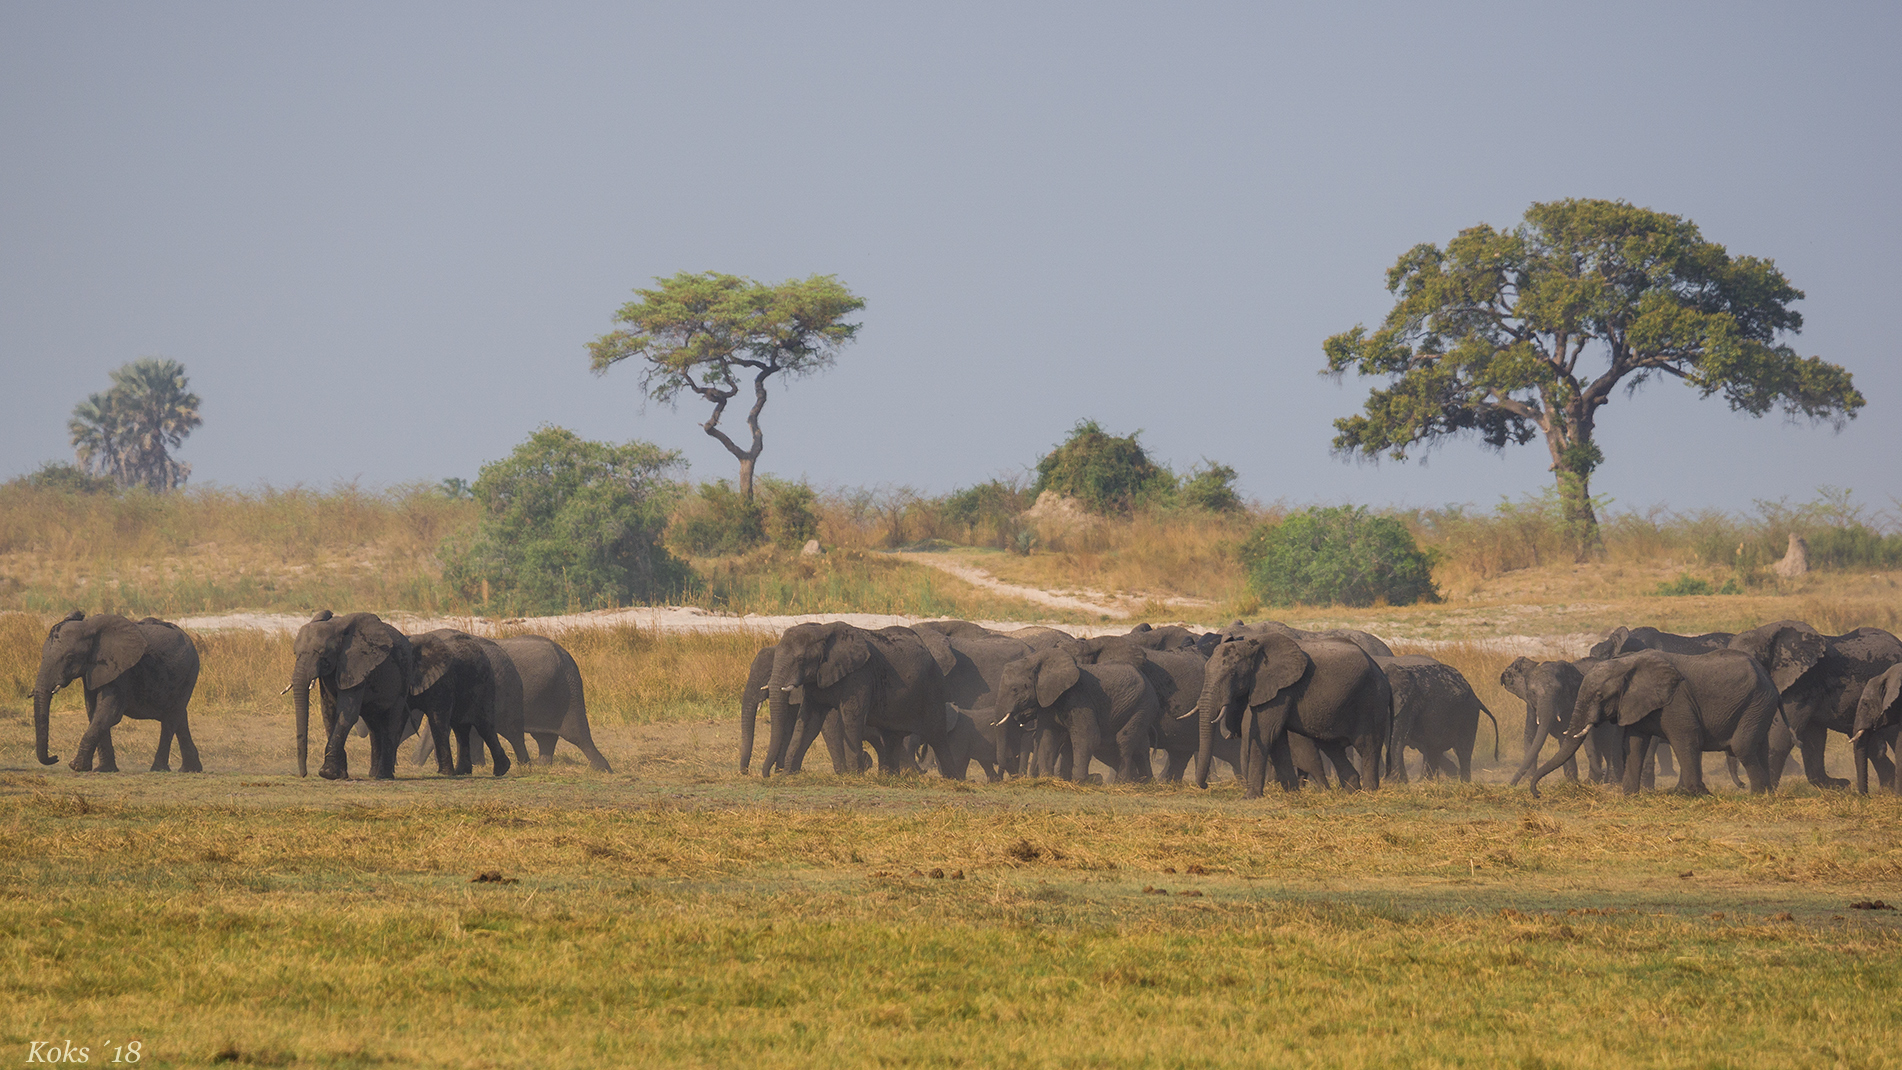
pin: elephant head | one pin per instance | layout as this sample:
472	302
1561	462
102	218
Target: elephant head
1788	649
1033	684
1622	691
1879	708
96	650
1550	691
808	656
341	651
1245	671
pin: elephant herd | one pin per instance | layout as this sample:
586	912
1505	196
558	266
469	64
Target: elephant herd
1316	707
370	677
1039	702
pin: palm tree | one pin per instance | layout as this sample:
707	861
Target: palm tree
126	432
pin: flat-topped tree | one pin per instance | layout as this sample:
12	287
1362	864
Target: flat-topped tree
703	333
1513	334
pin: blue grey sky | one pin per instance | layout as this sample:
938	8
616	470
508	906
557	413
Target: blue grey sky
380	235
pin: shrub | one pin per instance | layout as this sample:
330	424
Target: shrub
1338	555
715	521
67	478
1106	473
1211	486
569	524
791	515
1685	584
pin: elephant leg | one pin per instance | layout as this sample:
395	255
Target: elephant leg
493	740
162	755
806	729
1083	743
1636	761
1256	758
1465	756
1306	759
1132	740
1176	766
1336	752
425	747
1649	765
586	745
465	762
545	743
1885	769
187	747
107	711
834	733
1690	767
348	708
1664	761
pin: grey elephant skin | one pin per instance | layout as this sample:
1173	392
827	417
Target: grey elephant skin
1878	715
454	687
884	685
1623	640
1721	701
363	668
145	670
1436	713
1267	683
554	702
965	743
1550	692
977	670
1078	712
1821	678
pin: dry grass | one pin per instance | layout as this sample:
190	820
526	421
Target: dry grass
678	918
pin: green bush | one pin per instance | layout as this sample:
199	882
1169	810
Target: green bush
790	513
714	521
986	515
68	478
1211	486
1685	584
569	524
1340	555
1106	473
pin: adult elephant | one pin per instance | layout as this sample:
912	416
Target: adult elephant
1878	715
1720	701
1434	712
884	684
362	667
1550	692
1175	671
758	678
977	669
1821	678
1079	712
554	703
454	687
509	708
1623	640
146	671
1265	685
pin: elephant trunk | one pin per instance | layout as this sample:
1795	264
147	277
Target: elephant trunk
1533	747
779	709
1211	711
42	714
749	712
1572	740
300	694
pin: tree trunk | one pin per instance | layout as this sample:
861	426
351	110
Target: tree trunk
746	477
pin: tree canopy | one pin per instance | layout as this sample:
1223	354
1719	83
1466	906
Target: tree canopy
703	333
570	524
127	432
1107	473
1514	334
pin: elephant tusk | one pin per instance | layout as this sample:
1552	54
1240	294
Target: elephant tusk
1855	738
287	689
788	687
1193	710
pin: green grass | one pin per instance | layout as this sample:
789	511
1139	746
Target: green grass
687	916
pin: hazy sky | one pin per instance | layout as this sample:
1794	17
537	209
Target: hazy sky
379	236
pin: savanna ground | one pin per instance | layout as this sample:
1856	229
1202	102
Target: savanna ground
676	913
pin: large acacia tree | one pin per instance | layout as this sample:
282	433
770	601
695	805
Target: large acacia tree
705	333
1521	333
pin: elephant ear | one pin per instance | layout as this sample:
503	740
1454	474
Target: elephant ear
1056	671
1795	651
1283	664
117	646
370	646
1649	688
940	648
1613	644
951	715
846	653
1514	678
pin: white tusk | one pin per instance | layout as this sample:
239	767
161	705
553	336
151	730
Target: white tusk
788	687
287	689
1193	710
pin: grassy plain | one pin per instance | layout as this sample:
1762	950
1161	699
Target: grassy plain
675	913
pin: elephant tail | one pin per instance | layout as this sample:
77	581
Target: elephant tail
1495	721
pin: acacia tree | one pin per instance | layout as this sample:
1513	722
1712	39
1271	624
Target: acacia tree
127	432
1494	334
703	333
